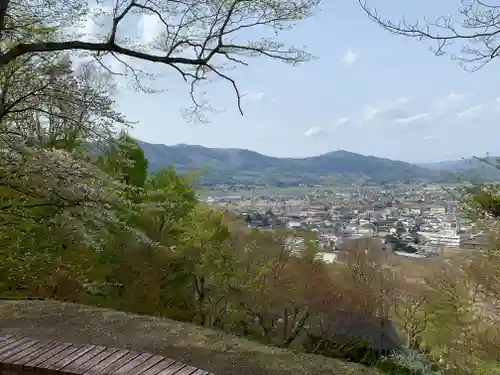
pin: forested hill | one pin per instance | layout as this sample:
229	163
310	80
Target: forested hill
242	166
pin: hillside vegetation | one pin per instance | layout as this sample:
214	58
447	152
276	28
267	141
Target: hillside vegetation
104	232
236	166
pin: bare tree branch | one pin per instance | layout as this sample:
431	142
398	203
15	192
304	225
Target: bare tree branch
475	27
198	37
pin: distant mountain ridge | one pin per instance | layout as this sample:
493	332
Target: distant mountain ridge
482	169
239	166
462	164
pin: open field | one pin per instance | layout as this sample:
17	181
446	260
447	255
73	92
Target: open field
207	349
295	191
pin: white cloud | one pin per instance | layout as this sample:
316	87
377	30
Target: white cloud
350	57
341	121
471	112
253	96
414	114
387	112
315	132
410	119
428	137
448	102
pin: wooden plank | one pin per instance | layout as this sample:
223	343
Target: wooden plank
64	358
188	370
137	361
47	355
172	369
107	352
4	337
13	344
97	369
159	367
120	362
8	341
147	365
48	365
19	363
17	349
82	360
72	357
9	362
201	372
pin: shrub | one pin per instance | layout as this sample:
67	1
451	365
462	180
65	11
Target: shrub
410	363
347	348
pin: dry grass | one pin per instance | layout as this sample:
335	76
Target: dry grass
210	350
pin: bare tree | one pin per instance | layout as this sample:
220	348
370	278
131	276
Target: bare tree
475	28
409	309
199	39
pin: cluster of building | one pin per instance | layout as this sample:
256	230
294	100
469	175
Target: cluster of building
414	221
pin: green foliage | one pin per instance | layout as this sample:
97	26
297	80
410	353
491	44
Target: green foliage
168	200
488	202
125	161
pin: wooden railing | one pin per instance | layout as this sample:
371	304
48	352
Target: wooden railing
22	356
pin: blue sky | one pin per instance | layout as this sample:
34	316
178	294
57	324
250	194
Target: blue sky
368	92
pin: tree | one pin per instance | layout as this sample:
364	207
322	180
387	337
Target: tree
50	110
451	325
410	311
53	102
474	27
369	284
169	199
200	39
125	160
39	185
209	262
55	204
400	229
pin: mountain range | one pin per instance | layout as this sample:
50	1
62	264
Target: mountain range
480	169
245	167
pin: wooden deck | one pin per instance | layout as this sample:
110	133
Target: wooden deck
21	355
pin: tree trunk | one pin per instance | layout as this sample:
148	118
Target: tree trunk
296	330
285	324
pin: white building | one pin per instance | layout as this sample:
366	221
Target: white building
445	238
328	257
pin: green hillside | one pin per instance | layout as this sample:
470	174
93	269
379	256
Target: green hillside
237	166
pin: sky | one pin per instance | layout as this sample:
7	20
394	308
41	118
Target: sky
368	92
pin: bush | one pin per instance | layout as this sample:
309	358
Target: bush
410	363
347	348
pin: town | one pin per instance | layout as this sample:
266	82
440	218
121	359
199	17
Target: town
414	221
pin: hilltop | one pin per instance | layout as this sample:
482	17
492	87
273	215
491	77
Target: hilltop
239	166
215	351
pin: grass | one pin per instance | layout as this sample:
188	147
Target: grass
210	350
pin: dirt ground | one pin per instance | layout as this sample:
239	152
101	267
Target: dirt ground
209	350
